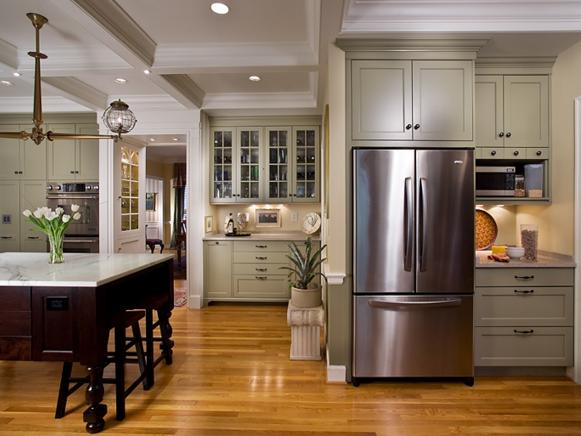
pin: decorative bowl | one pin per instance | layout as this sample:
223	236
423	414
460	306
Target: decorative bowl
515	252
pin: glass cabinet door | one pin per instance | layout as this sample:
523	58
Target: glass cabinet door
222	168
249	164
129	189
278	142
306	160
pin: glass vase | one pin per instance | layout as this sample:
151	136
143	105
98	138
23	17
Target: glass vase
56	249
529	234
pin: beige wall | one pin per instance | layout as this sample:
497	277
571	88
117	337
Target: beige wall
163	171
555	221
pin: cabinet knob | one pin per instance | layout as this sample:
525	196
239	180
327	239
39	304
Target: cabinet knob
539	152
260	277
501	134
515	152
15	172
72	172
508	134
261	258
493	153
408	126
217	243
416	127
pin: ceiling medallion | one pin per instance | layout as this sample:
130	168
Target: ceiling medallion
118	117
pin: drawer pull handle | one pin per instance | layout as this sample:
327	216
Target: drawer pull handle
260	278
527	291
523	332
5	237
34	237
261	257
524	277
261	246
261	269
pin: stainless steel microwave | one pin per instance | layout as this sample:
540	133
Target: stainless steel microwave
495	181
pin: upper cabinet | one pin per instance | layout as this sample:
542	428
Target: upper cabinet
19	159
421	100
512	111
264	164
73	159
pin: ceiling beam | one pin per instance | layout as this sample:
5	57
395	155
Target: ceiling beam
8	56
77	91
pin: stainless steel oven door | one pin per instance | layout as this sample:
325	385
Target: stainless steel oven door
89	209
80	244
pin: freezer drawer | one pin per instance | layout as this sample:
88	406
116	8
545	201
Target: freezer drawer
412	336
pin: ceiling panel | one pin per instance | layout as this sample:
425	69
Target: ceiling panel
137	83
239	83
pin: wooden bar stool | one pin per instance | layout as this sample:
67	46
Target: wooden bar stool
119	357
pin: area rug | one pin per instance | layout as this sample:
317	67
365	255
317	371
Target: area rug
179	297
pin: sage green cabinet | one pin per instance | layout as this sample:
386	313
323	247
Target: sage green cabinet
218	269
32	196
70	160
10	216
222	165
249	165
19	159
412	100
305	167
279	160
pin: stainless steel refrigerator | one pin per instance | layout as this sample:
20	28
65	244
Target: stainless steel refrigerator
413	263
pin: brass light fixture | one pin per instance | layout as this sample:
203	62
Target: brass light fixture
118	117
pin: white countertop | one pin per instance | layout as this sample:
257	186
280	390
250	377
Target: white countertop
545	259
80	270
280	236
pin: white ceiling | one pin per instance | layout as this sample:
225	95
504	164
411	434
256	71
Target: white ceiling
200	59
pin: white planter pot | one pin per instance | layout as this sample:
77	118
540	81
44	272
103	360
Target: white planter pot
306	297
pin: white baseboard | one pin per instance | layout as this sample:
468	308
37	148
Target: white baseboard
195	302
336	373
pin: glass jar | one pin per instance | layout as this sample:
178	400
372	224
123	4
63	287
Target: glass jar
529	238
519	186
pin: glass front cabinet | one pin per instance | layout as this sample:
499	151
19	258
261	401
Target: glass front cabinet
264	164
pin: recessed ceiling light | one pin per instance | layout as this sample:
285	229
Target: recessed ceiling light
175	139
219	8
146	72
120	80
151	139
6	83
254	78
16	74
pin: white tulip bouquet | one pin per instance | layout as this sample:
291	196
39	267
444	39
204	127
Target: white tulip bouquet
53	223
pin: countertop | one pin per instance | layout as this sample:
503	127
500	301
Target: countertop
545	260
81	270
280	236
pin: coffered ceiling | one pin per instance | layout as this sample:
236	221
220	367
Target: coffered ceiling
199	59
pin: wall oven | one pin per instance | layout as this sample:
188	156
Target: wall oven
495	181
82	236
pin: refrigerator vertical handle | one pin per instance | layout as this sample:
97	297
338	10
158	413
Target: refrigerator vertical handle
422	237
408	224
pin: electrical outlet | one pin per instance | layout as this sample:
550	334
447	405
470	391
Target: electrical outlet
294	217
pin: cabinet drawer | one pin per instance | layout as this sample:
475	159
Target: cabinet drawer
261	269
491	153
515	153
261	286
524	306
259	258
524	276
537	153
262	246
218	243
524	346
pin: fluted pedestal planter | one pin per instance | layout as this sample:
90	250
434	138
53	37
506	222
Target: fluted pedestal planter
305	324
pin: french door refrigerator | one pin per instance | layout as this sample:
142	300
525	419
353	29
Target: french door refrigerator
413	263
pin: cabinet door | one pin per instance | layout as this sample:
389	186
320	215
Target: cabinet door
218	269
9	216
249	165
489	116
381	100
278	141
32	195
526	111
222	160
9	154
87	165
62	160
306	164
442	100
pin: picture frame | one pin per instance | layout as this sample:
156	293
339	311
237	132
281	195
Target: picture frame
150	201
209	224
267	218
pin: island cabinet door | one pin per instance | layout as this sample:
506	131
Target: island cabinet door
54	327
15	323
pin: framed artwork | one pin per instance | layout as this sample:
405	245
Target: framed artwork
267	217
150	199
209	223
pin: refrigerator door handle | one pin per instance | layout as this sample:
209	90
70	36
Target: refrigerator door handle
398	303
422	224
408	223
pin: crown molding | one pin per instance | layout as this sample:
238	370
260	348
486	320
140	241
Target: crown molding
23	105
266	100
362	16
411	44
516	62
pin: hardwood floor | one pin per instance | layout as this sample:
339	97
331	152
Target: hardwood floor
231	375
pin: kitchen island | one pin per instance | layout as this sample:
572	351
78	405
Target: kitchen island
63	312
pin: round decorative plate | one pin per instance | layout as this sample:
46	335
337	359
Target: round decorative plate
486	230
311	223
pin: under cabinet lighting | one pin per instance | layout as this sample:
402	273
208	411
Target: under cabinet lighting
151	139
16	74
175	139
6	83
254	78
146	72
219	8
120	80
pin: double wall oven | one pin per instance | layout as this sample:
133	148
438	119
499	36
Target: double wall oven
82	236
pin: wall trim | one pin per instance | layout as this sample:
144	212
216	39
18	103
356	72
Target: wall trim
336	373
334	278
576	370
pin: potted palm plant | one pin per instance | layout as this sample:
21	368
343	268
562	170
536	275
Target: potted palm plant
304	268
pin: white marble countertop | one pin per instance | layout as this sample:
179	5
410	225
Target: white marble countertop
80	270
258	236
545	259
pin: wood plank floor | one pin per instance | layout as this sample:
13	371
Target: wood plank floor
231	375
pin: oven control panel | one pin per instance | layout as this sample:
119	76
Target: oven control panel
73	188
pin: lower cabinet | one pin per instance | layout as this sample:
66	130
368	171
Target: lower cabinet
524	325
218	269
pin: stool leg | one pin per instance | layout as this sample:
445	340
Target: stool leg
149	346
120	373
166	332
61	403
140	354
161	248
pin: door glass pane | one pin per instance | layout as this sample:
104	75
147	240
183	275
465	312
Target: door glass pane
129	189
277	159
249	164
306	164
222	164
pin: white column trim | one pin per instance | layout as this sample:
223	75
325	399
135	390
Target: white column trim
576	370
336	373
334	278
